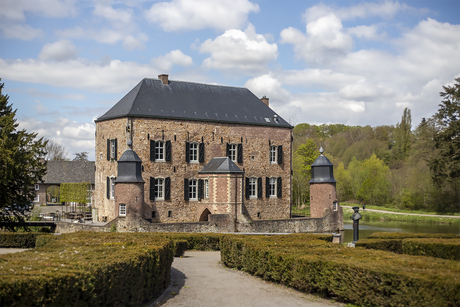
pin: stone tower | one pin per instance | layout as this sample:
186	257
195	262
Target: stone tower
129	187
323	194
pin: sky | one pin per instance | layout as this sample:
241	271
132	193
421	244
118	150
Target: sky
64	63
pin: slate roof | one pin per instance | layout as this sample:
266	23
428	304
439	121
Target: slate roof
129	167
194	101
70	172
221	165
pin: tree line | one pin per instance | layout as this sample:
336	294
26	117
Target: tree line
394	165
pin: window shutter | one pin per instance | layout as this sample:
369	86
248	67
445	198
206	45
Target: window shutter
152	188
108	188
168	151
152	150
279	187
187	153
185	189
167	188
240	153
116	150
108	150
247	187
228	150
201	152
200	189
267	187
259	187
280	154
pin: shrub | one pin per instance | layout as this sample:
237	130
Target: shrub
19	240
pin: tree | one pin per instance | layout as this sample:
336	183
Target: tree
403	136
308	153
55	152
20	164
81	156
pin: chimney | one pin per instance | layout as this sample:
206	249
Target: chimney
163	78
265	100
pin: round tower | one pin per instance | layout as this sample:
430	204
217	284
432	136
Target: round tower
323	195
129	186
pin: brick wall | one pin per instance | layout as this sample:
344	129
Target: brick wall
215	136
322	196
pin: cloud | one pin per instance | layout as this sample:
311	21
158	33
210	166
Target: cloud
14	10
74	136
130	42
62	50
175	57
18	31
123	16
199	14
367	32
235	49
269	86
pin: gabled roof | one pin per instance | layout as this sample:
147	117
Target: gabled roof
221	165
70	172
194	101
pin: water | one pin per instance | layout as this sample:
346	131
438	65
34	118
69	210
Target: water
366	228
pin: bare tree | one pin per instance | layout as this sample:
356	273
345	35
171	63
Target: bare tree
81	156
55	152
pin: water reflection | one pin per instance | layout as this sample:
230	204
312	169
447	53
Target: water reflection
366	228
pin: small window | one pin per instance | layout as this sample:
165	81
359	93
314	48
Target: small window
272	187
334	206
37	199
122	209
112	148
206	189
273	156
159	151
37	187
232	152
192	189
154	214
252	187
169	213
193	152
112	188
159	188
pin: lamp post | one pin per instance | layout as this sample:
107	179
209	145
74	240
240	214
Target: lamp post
356	217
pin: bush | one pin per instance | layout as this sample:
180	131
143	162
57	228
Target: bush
405	235
19	240
439	248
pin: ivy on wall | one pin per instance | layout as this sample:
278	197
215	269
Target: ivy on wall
76	192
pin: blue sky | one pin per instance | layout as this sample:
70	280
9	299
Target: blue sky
65	62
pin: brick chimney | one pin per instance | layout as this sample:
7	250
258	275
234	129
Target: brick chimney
163	78
265	100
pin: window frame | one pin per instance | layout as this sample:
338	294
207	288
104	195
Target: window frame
253	187
122	210
158	190
273	154
193	152
112	187
272	185
206	188
193	189
37	198
37	187
113	148
232	152
160	151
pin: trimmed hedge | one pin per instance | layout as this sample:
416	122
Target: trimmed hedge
88	269
360	276
20	239
405	235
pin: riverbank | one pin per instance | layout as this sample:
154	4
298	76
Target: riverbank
383	215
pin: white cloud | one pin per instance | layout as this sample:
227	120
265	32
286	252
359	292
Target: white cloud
76	32
113	15
367	32
62	50
199	14
19	31
115	77
130	42
14	10
269	86
235	49
175	57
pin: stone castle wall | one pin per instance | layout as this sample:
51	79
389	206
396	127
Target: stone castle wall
255	139
322	196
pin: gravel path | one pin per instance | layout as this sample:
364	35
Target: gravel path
198	279
374	210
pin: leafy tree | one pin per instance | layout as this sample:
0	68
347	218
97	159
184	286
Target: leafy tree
55	152
81	156
308	154
374	187
403	136
20	164
76	192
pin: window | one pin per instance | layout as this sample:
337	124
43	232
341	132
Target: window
206	189
154	214
37	187
192	189
169	213
273	159
122	209
111	149
193	156
232	152
252	187
112	188
159	188
37	199
335	205
272	187
159	151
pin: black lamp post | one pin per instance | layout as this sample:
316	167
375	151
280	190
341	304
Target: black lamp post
356	217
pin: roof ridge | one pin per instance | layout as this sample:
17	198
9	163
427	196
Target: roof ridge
199	83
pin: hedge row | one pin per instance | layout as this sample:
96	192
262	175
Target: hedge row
405	235
87	269
360	276
19	239
446	247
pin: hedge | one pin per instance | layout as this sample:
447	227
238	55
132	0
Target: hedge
87	269
356	275
405	235
19	239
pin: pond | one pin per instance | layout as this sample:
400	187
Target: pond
366	228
